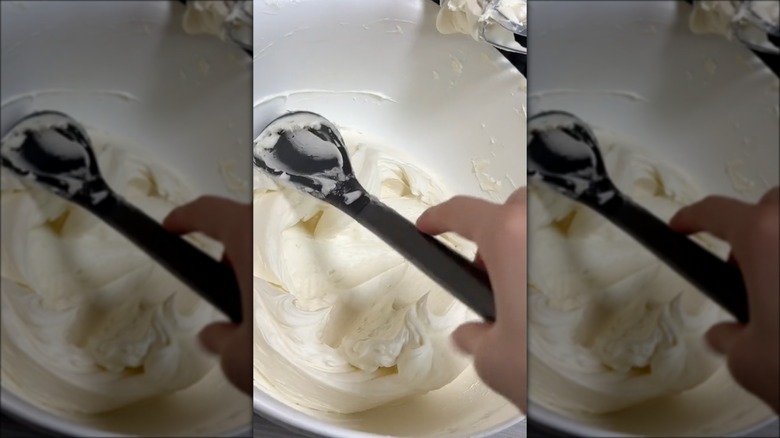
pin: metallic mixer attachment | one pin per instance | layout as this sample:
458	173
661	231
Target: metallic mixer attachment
493	14
753	30
238	25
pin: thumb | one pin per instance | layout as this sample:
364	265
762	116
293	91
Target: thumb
468	336
723	336
214	336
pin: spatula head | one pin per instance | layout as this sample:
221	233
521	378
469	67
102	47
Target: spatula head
306	150
563	153
54	150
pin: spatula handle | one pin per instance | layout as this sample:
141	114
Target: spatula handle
720	281
449	269
212	280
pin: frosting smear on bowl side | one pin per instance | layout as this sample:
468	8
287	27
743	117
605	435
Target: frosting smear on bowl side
610	326
343	323
90	323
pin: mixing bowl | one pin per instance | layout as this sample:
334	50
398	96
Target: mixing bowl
382	68
127	69
702	103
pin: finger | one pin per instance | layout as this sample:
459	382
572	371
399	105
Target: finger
468	336
214	336
504	252
722	337
462	214
520	196
236	361
478	262
732	260
771	197
716	215
207	215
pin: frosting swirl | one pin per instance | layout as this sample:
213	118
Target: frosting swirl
89	322
343	323
610	325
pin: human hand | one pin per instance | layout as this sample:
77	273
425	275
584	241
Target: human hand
753	230
499	348
230	223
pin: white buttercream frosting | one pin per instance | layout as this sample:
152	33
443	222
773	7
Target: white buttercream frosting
343	323
719	17
611	326
90	323
515	10
214	16
710	16
467	16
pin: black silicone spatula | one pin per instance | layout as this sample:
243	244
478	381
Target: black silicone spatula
307	150
563	153
54	150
